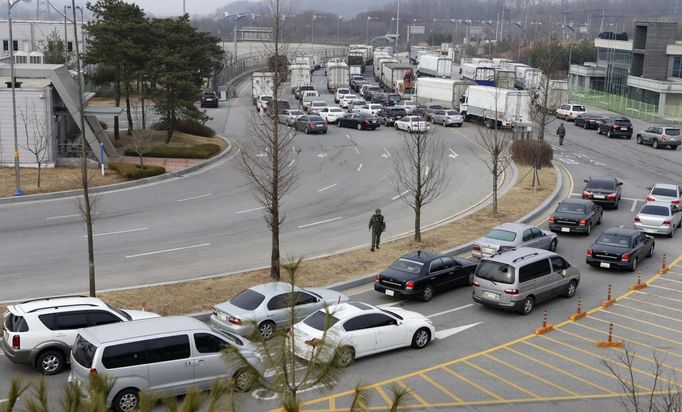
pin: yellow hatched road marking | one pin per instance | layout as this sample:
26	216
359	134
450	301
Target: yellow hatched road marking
664	288
621	326
413	393
554	368
659	296
532	375
442	388
652	313
653	304
643	321
388	400
501	379
472	383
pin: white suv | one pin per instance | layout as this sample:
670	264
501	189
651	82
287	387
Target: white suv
569	111
41	331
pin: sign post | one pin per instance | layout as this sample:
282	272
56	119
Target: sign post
102	158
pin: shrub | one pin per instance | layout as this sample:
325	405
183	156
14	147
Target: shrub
134	171
187	126
527	152
200	151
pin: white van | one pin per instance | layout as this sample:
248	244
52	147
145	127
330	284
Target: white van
166	355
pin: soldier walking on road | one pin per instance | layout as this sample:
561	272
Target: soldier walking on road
376	225
561	132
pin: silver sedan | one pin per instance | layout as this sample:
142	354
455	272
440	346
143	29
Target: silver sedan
659	218
289	117
511	236
267	307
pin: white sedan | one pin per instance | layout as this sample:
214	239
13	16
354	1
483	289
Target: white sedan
340	92
372	109
355	329
412	124
347	98
332	114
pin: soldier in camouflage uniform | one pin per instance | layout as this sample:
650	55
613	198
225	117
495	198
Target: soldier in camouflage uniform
376	225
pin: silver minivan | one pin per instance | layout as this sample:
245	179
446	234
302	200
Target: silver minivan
520	278
167	356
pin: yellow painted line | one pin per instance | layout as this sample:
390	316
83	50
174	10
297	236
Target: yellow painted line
532	376
561	371
388	400
442	388
656	325
474	384
653	304
651	313
503	380
332	404
621	326
664	288
660	297
413	393
671	280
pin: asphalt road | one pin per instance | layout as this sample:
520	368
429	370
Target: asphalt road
208	222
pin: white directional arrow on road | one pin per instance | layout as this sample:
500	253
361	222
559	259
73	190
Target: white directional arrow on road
442	334
453	154
322	155
385	154
261	154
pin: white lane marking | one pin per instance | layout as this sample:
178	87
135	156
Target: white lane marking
599	164
261	154
156	252
634	205
356	150
119	232
61	217
388	305
348	136
567	161
400	195
426	172
402	138
453	154
386	154
450	310
446	333
320	222
325	188
195	197
292	162
250	210
359	167
322	155
293	148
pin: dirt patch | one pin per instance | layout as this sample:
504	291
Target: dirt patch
195	296
158	138
55	179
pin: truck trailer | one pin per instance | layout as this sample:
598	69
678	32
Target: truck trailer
497	108
378	66
338	74
434	65
482	74
391	73
446	92
300	75
261	85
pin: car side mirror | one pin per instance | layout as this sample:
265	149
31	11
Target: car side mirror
563	273
620	183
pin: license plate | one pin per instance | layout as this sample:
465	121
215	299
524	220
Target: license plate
488	250
222	317
599	196
318	125
491	295
649	231
389	292
605	265
565	229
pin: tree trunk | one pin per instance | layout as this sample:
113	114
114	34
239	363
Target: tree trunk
495	176
417	223
144	115
117	103
543	110
128	110
39	174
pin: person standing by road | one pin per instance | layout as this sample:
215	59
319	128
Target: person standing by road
377	226
561	132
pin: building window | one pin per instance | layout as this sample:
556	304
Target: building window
36	59
5	45
20	59
69	46
677	67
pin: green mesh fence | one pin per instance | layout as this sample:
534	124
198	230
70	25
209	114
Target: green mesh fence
615	103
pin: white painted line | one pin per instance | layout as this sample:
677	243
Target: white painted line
195	197
250	210
359	167
61	217
139	229
322	155
356	150
388	305
400	195
325	188
348	136
386	154
453	154
634	205
426	172
450	310
292	162
320	222
168	250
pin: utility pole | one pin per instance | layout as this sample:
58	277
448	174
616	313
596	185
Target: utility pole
397	28
66	43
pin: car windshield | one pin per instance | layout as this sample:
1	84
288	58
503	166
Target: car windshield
84	352
120	312
406	265
266	98
394	97
659	191
319	104
499	234
672	132
452	112
495	271
247	300
610	239
391	313
321	320
655	210
569	208
601	184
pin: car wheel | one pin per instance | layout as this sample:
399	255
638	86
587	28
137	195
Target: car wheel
421	338
50	362
427	293
589	230
633	266
445	124
654	144
673	147
470	279
615	206
598	130
585	125
396	126
359	126
552	246
651	251
601	215
628	137
639	139
266	329
305	130
608	134
672	232
244	380
338	123
345	356
570	289
528	305
126	400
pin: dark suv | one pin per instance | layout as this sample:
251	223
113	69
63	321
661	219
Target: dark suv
209	99
616	127
388	115
381	98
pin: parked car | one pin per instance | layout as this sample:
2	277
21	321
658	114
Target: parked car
394	98
409	105
263	101
421	274
447	117
347	98
298	93
569	111
518	279
282	105
419	110
355	330
311	123
266	307
388	115
332	114
660	136
358	121
381	98
513	236
316	106
576	215
603	190
371	108
620	248
412	124
289	117
615	127
340	92
40	332
354	106
589	120
665	192
209	99
660	218
369	92
357	87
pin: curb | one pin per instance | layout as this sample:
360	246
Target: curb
124	185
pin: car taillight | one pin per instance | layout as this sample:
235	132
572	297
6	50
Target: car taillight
637	219
611	196
93	372
626	257
365	122
511	291
377	277
650	199
476	284
666	222
409	285
16	342
477	248
313	342
589	252
675	202
570	113
234	320
587	194
551	219
582	222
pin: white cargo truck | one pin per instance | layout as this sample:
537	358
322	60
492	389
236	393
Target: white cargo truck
378	66
446	92
299	75
434	65
338	74
493	106
505	79
557	95
261	85
380	54
391	73
527	78
415	52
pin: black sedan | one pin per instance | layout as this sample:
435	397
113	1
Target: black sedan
620	248
358	121
575	215
421	274
603	190
589	120
311	124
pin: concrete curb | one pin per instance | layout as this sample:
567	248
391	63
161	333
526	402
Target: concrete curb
124	185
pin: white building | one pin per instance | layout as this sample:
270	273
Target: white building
30	38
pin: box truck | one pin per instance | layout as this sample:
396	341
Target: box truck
434	65
261	85
378	63
300	75
480	73
415	52
338	74
506	108
391	73
446	92
505	79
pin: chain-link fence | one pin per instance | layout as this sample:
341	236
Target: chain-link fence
625	106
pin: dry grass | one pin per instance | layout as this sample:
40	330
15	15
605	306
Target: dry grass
184	297
53	180
179	139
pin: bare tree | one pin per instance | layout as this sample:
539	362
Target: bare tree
38	141
420	170
142	138
496	143
547	56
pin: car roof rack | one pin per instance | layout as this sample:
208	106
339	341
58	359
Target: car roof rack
54	297
525	256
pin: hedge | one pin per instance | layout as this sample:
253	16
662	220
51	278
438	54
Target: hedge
200	151
189	127
526	152
134	171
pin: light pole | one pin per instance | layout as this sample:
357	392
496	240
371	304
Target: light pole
518	48
397	28
237	17
455	24
338	30
369	18
12	79
312	29
570	51
535	24
66	43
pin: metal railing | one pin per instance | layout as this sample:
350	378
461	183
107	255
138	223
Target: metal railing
626	106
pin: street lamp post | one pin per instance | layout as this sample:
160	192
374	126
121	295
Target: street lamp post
338	30
66	43
518	48
369	18
570	51
82	24
237	17
312	30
